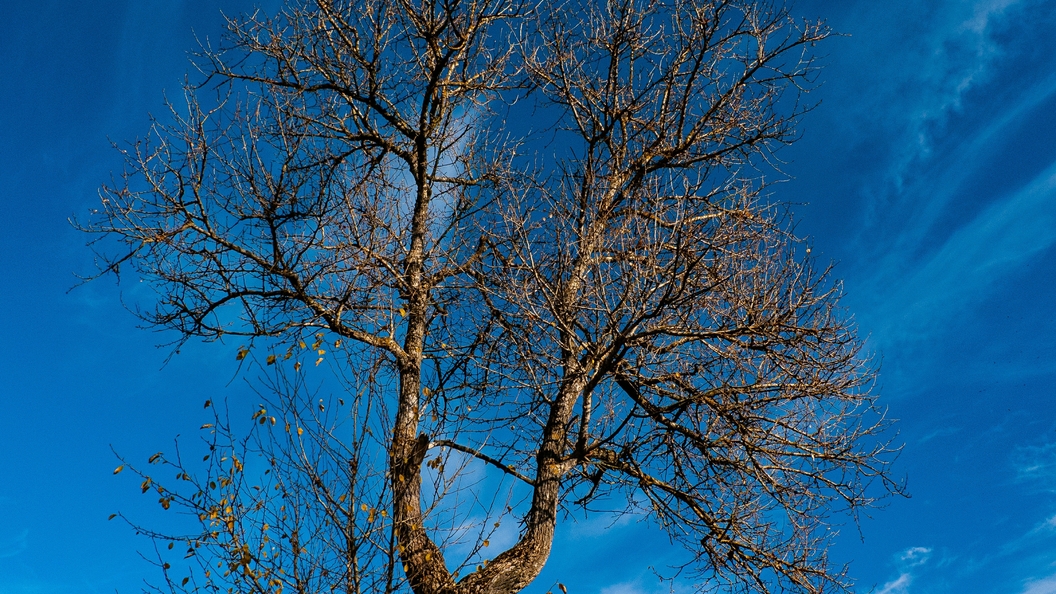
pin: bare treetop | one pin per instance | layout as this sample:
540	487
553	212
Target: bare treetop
539	235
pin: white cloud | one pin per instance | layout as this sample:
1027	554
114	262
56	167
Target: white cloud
1042	586
897	586
908	561
956	56
985	11
1037	464
920	274
915	556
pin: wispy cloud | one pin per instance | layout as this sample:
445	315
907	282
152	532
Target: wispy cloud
916	85
908	561
632	587
914	556
939	433
900	585
928	257
974	259
641	585
14	545
1037	464
1042	586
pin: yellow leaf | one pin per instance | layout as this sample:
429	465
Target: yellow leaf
119	469
297	366
403	313
207	426
271	359
321	351
486	543
302	345
242	352
300	431
318	361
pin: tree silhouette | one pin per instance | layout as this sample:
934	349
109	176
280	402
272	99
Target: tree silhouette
534	241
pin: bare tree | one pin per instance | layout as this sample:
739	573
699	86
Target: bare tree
538	236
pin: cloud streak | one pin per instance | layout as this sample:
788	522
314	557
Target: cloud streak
908	561
14	545
1042	586
924	258
972	261
942	52
900	585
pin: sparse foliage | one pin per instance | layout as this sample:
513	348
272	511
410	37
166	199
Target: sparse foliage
532	237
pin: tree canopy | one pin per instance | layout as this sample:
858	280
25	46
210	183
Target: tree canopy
534	237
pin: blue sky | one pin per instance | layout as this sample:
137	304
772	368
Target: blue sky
927	173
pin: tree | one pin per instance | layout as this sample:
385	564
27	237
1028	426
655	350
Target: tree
539	237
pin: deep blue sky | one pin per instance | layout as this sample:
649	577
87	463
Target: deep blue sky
928	173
